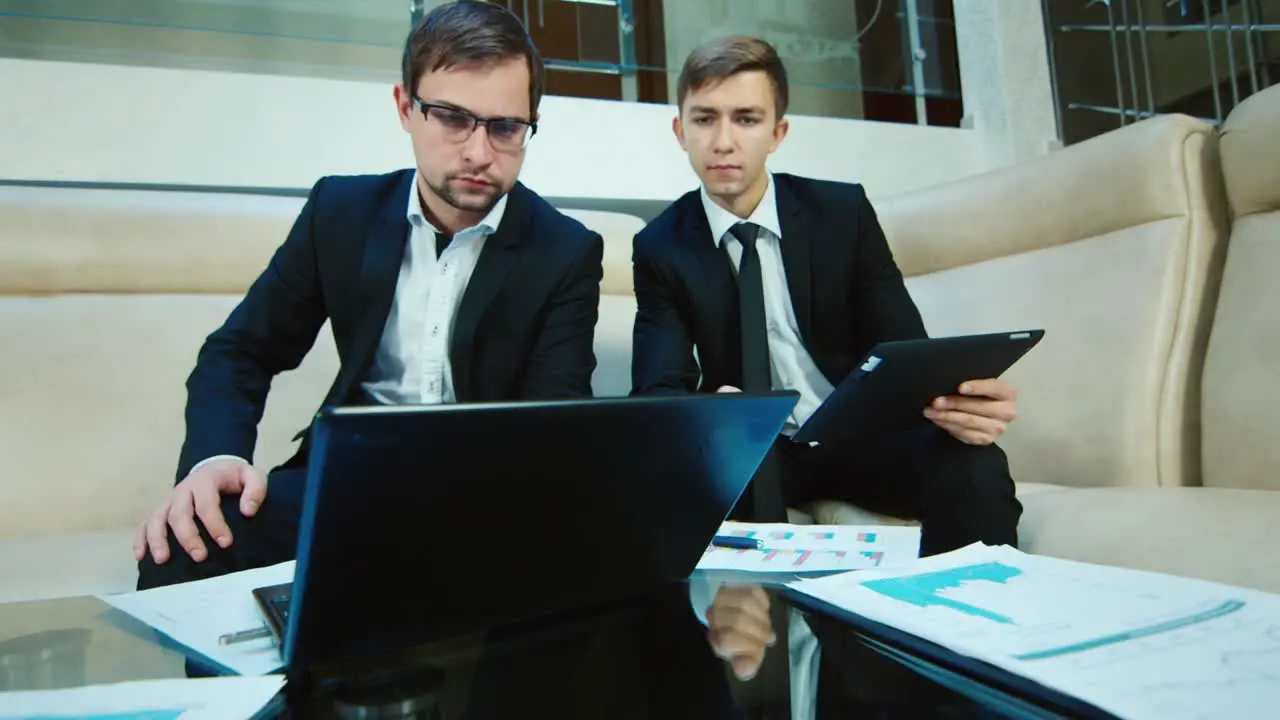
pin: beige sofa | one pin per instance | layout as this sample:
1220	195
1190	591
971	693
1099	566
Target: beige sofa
1147	435
1115	246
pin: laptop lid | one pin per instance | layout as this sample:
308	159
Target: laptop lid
425	522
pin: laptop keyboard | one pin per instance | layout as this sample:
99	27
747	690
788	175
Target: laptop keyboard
280	603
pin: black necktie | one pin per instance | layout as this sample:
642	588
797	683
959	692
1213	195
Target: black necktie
766	487
774	676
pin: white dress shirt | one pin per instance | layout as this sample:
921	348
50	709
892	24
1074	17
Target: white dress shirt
791	368
790	364
411	364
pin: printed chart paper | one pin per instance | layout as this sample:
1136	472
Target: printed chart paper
195	614
1137	644
787	548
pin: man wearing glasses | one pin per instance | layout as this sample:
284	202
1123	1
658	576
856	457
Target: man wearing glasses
448	282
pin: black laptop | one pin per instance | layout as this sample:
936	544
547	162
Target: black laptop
426	522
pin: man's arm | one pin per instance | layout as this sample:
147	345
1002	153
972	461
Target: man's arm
563	357
662	360
270	331
884	310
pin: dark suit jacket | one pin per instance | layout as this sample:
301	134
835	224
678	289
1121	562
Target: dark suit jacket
524	328
847	292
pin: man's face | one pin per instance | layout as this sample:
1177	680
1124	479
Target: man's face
728	128
467	170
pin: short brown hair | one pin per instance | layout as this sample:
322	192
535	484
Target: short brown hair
470	32
719	59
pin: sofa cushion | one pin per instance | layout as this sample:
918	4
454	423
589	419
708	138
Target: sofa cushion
91	404
1191	532
1251	155
1089	393
64	240
612	377
1241	375
1113	246
617	230
1216	534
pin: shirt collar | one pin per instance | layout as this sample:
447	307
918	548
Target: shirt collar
765	215
418	217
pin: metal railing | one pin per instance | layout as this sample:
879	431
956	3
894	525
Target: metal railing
1222	56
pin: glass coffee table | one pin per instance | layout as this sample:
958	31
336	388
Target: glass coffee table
644	657
878	660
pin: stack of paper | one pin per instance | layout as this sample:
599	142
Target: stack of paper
1136	644
813	548
197	614
203	699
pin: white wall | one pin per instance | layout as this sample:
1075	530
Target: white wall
107	123
1005	78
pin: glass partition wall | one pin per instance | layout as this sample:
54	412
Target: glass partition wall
1116	62
890	60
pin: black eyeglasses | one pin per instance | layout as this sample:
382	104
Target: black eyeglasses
509	134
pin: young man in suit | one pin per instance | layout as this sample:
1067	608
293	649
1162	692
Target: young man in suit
447	282
783	282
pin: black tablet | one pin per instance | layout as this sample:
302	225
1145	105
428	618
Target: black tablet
897	380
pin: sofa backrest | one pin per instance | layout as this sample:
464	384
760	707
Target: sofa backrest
105	297
1241	390
1112	246
612	377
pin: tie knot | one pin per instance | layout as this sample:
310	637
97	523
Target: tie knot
746	233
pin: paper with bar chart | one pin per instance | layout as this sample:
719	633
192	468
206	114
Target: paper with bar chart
1137	644
787	548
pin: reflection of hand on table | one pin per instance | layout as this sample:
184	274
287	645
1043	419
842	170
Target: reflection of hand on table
744	602
739	629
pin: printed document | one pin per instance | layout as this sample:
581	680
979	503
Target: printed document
798	549
196	614
1137	644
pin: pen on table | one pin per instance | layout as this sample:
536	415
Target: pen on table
244	636
736	542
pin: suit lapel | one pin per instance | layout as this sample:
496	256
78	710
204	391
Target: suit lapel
798	235
492	267
384	245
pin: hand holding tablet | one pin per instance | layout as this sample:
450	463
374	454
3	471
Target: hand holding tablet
898	381
979	413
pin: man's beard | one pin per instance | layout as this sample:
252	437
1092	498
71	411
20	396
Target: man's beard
466	203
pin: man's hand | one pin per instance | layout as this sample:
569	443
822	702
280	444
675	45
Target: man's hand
740	629
979	414
199	495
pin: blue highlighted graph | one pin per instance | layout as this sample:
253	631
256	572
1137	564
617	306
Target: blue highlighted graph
925	589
